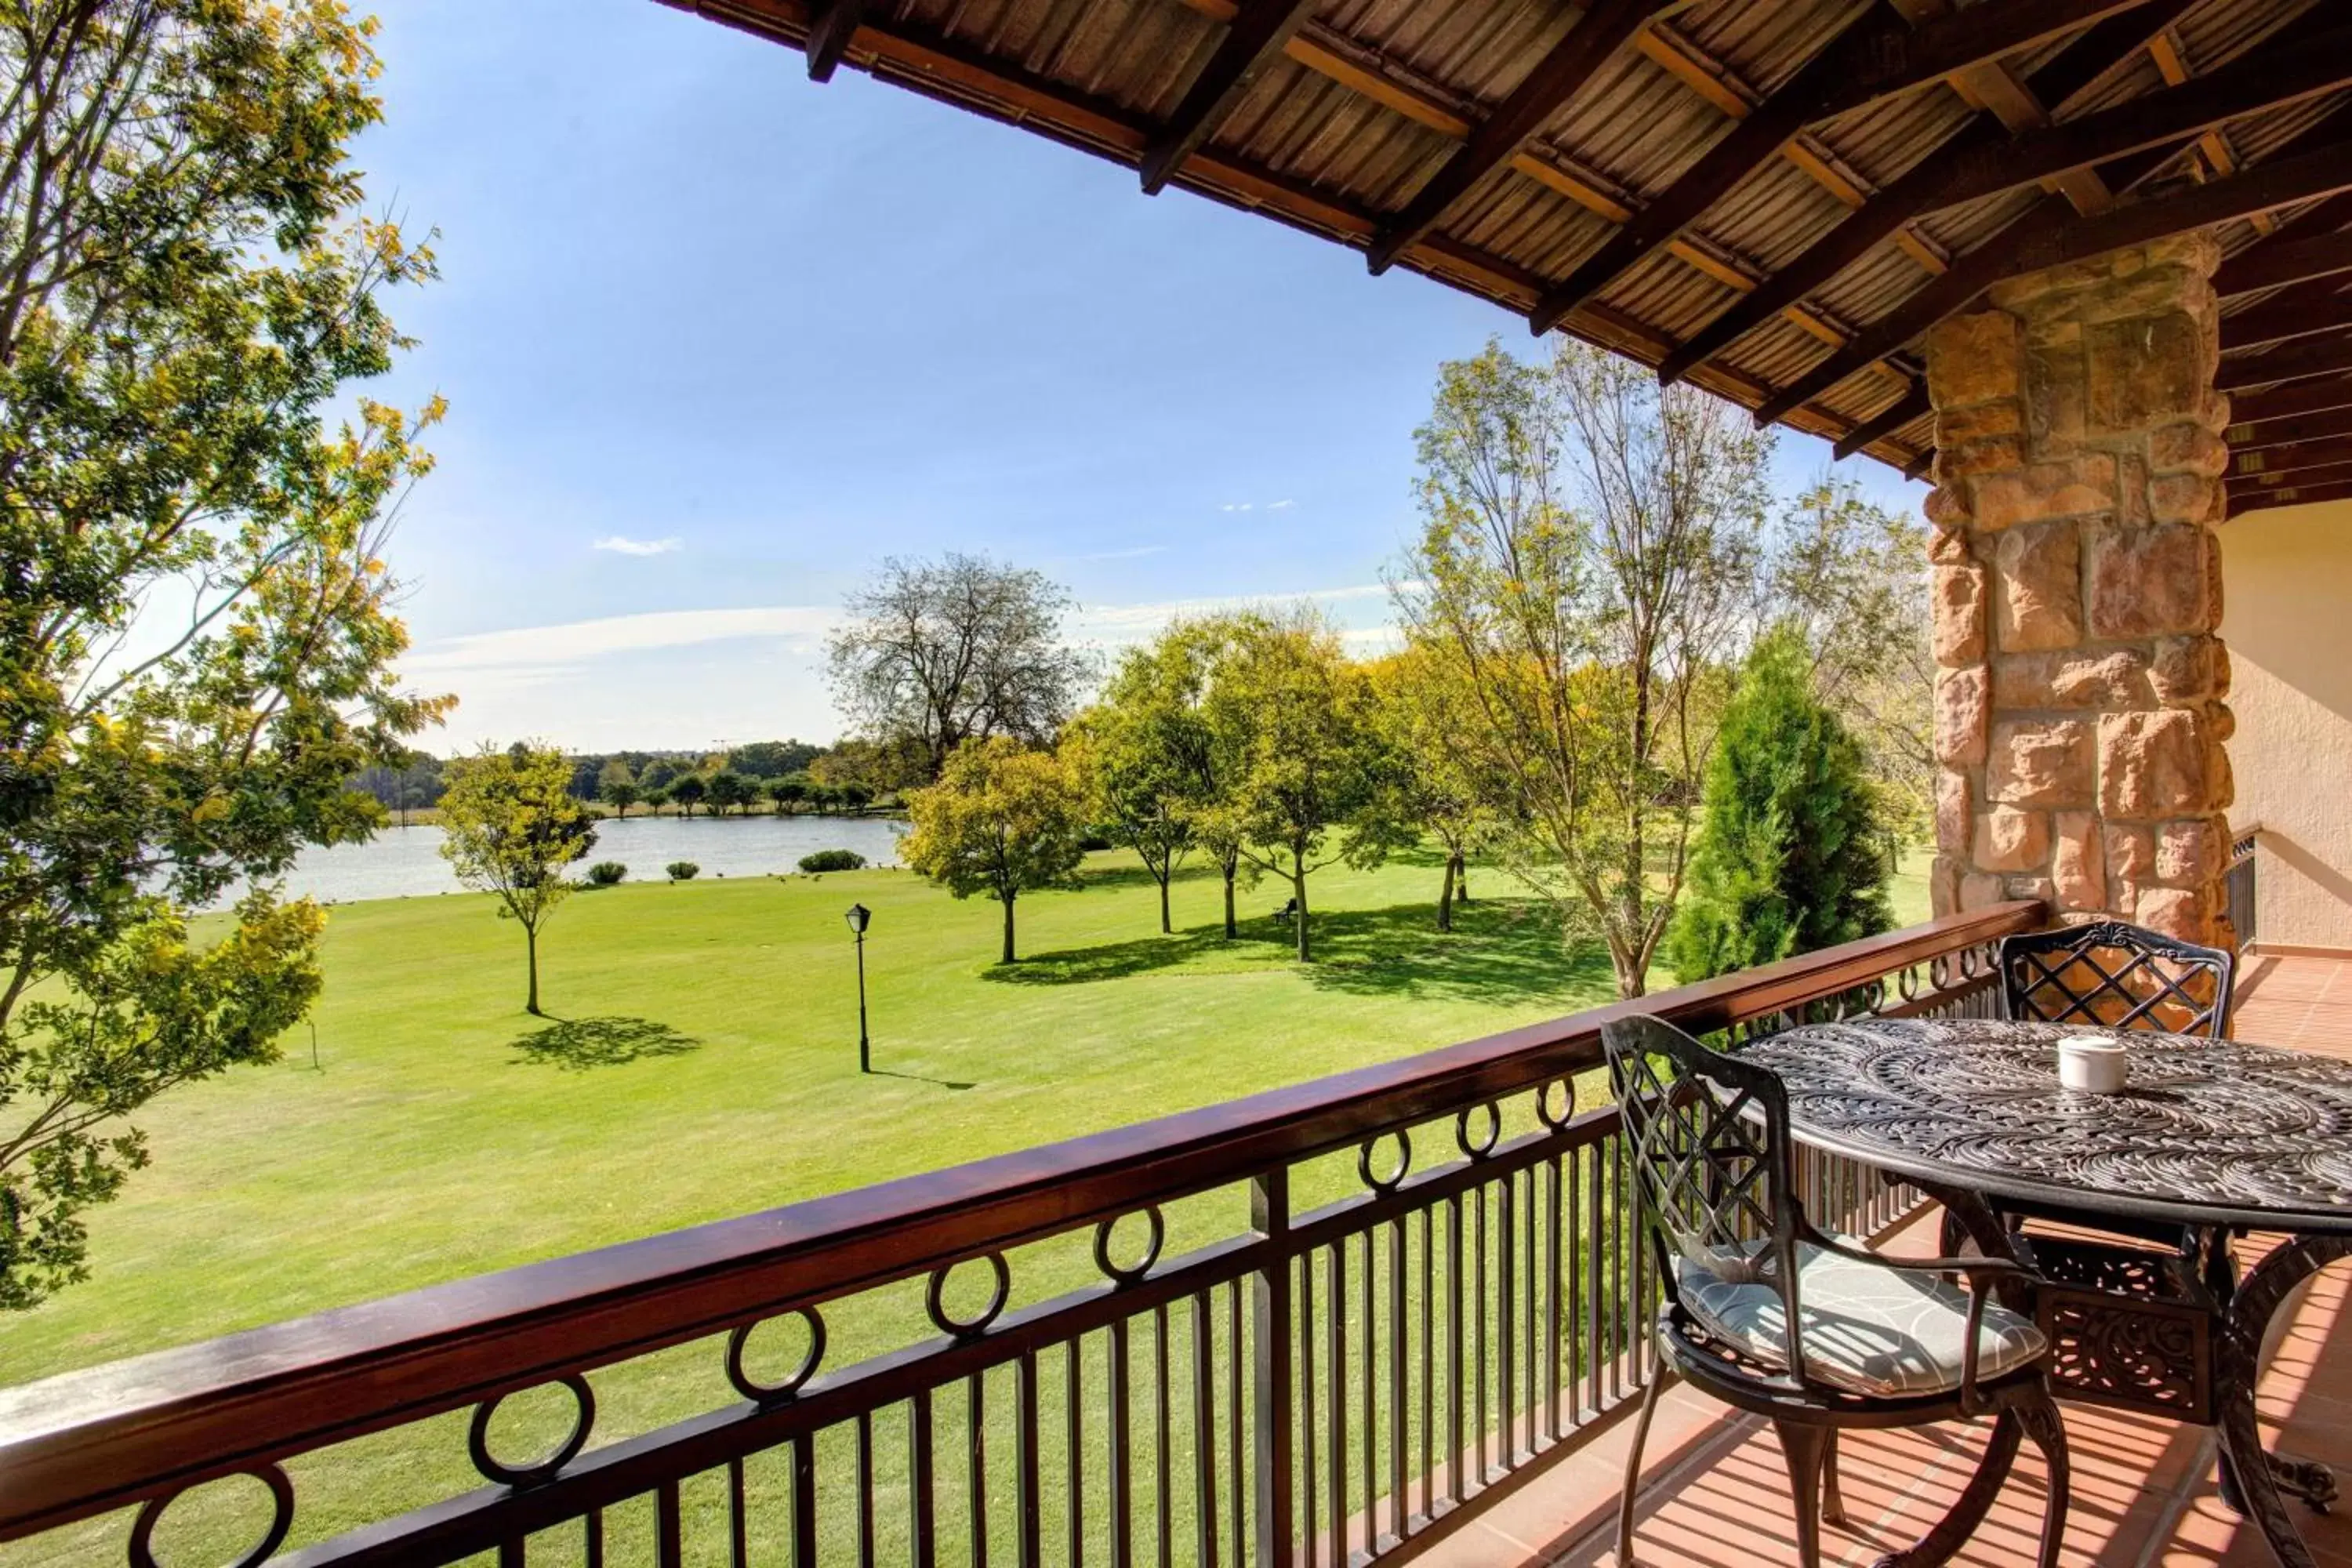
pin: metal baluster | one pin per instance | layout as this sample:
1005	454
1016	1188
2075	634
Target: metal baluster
1428	1361
669	1546
1554	1345
1118	1471
1271	1309
1507	1328
1616	1269
1334	1391
510	1552
1074	1428
975	1465
1454	1448
1233	1423
736	1552
1371	1402
1399	1334
1205	1438
1595	1278
805	1501
1481	1471
1162	1460
865	1490
1533	1412
593	1538
1310	1492
921	1520
1027	1505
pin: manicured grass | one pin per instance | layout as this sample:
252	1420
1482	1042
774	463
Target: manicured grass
703	1063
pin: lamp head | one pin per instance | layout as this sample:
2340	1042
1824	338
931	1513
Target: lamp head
858	915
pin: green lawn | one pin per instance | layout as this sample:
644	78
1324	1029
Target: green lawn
704	1064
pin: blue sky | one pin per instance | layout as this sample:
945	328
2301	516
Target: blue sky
766	333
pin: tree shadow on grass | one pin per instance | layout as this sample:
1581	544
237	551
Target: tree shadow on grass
1112	960
575	1045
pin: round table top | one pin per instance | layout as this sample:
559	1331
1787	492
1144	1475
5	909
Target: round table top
2204	1132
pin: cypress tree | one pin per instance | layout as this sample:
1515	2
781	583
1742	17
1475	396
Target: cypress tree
1788	859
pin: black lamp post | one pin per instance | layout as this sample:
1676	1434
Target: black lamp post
860	917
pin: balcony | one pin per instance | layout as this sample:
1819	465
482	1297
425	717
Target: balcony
1390	1314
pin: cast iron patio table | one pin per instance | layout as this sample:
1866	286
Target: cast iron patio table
2209	1141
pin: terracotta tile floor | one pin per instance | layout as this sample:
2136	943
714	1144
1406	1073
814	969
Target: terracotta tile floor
1715	1494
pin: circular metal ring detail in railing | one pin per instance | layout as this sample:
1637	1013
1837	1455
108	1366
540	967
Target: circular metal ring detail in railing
1567	1087
1907	983
1939	972
1970	958
1128	1273
1486	1146
478	1438
1387	1183
281	1519
935	1301
760	1393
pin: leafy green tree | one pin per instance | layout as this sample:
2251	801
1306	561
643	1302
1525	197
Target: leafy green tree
656	775
854	796
771	759
1589	556
727	789
510	826
1426	712
196	635
822	798
1788	860
688	790
788	791
1003	820
1307	788
617	788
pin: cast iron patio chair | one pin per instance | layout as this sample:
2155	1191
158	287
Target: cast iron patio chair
1811	1330
2123	977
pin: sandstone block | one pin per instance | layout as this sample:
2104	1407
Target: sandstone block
2009	839
1973	359
2184	498
2071	488
2189	853
2040	603
2040	763
2147	581
2152	766
2184	669
2078	872
2142	369
1960	615
2035	888
2131	852
1962	706
1952	812
1980	890
2181	913
2187	448
1943	885
2117	679
1988	454
1946	506
1948	546
1979	422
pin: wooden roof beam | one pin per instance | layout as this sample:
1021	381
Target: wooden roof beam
2318	474
2263	500
2080	66
832	23
2296	312
2253	436
1876	57
2292	362
1257	34
2053	233
1597	36
2289	459
1878	427
2285	260
2286	401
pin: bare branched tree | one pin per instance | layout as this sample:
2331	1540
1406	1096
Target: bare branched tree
954	650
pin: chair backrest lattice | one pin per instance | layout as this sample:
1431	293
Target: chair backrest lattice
2121	976
1707	1139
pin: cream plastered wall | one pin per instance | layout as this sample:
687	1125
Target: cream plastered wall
2286	577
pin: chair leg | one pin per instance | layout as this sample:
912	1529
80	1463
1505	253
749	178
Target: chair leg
1659	1378
1832	1499
1801	1443
1952	1531
2044	1425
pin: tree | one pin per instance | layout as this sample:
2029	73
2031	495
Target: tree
727	788
1307	785
1003	820
1425	713
688	790
1786	860
1854	579
656	775
510	826
882	766
941	652
1147	757
1589	555
196	637
854	796
617	788
788	793
771	759
822	798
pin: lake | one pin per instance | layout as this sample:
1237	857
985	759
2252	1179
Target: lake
405	862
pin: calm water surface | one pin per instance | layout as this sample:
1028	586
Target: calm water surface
405	862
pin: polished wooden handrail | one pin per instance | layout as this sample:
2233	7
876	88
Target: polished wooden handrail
86	1441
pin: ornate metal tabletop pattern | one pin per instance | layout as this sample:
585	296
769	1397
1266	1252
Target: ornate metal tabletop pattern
2200	1125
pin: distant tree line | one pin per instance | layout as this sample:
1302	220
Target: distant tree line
788	777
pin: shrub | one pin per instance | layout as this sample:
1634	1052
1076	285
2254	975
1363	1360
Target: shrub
834	860
1788	860
606	874
1094	843
683	871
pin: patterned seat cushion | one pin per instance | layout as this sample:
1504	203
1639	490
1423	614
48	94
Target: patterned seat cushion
1890	1333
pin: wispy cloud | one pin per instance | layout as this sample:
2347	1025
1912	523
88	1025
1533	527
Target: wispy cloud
1280	505
1283	505
622	544
1134	623
1137	551
575	643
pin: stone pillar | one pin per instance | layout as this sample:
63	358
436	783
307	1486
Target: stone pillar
2079	720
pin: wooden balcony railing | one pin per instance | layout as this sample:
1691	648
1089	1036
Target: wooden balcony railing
1373	1350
